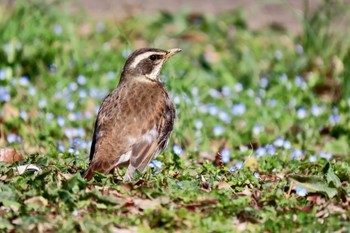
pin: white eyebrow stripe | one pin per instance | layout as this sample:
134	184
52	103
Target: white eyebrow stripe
143	56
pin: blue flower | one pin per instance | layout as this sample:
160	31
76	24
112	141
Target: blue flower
316	110
238	109
70	106
225	117
23	115
53	68
82	94
61	121
279	54
239	165
218	130
334	119
226	91
279	142
301	191
301	113
296	153
110	75
225	155
283	77
100	26
155	164
256	175
75	213
177	149
257	129
299	49
287	145
73	86
81	79
12	138
214	93
5	94
264	82
238	87
23	80
3	74
313	158
57	29
232	169
270	149
261	151
42	103
325	155
198	124
60	147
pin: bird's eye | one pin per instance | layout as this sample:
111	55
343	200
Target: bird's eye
153	57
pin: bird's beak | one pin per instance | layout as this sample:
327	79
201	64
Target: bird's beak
172	52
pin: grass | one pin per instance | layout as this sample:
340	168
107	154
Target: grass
261	140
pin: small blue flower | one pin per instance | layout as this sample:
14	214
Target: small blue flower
49	116
296	153
287	145
60	147
82	94
75	213
81	79
313	158
155	164
23	81
225	117
239	165
100	26
12	138
232	169
279	142
213	109
214	93
238	87
257	129
61	121
23	115
218	130
256	175
334	119
198	124
57	29
179	183
226	91
73	86
238	109
110	75
70	106
301	191
283	77
270	149
3	74
325	155
177	149
299	49
5	94
264	82
52	68
225	155
42	103
279	54
261	151
271	102
301	113
126	53
315	110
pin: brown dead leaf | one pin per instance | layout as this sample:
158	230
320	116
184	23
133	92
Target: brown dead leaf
10	111
10	155
224	185
145	204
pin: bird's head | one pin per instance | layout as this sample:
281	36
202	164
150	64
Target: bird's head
147	63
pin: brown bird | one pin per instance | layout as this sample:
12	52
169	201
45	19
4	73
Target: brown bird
135	120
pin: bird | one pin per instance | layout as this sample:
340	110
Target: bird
135	121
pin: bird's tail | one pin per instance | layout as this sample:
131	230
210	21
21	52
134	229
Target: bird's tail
100	166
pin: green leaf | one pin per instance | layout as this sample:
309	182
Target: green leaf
313	184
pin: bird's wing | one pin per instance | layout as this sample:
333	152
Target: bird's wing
157	128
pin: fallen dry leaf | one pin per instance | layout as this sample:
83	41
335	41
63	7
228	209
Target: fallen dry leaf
10	155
